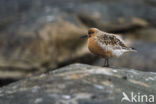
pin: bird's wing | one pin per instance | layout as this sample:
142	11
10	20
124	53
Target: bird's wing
113	41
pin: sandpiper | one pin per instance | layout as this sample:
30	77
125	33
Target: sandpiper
106	44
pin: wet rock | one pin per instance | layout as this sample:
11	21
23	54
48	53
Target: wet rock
80	84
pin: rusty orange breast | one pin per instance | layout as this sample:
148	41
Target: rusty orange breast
94	47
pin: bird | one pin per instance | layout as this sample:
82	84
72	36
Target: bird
106	45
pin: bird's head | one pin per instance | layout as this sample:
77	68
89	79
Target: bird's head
91	33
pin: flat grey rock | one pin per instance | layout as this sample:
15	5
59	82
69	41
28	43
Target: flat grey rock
81	84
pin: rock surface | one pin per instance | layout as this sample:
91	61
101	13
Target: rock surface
80	84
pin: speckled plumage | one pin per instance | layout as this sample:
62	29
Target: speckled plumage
105	44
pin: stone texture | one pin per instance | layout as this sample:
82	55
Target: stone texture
80	84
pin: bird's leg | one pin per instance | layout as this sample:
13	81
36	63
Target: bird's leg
107	62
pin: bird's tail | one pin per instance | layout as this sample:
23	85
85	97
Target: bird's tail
133	50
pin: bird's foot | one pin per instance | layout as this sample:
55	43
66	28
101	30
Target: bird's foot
106	66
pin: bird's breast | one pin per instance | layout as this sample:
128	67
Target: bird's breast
96	49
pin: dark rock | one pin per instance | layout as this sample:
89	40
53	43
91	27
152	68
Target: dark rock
80	84
36	36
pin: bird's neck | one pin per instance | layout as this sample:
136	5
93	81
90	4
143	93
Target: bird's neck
91	41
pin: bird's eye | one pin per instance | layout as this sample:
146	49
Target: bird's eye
90	32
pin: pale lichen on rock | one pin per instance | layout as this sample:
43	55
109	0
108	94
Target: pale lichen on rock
79	84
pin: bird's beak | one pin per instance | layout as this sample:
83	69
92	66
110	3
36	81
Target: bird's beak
84	36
